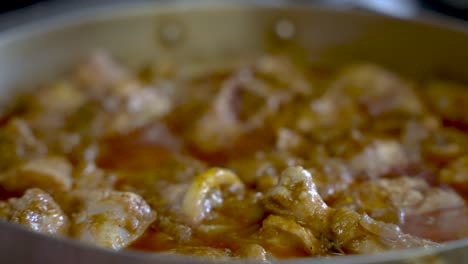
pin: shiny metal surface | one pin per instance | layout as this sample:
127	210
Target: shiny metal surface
140	32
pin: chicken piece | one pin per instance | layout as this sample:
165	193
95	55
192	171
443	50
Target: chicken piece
195	204
49	173
350	236
219	126
360	234
447	99
263	170
378	90
437	199
250	205
52	104
444	145
101	71
392	200
179	232
122	111
89	177
17	143
284	236
37	211
165	194
126	104
296	196
242	105
329	116
61	97
335	176
88	120
415	132
283	71
378	159
111	219
254	252
138	107
288	140
455	174
442	225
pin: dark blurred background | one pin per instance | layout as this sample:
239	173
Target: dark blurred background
456	8
403	8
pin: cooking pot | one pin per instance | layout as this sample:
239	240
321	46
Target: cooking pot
141	32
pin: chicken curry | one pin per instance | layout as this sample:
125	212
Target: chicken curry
261	159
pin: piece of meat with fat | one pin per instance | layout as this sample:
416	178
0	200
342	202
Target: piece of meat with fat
126	102
360	234
111	219
138	106
330	113
219	126
51	105
241	105
60	98
285	237
393	200
18	142
288	140
414	132
283	70
254	252
100	70
51	173
441	225
296	196
455	174
378	90
36	210
446	99
121	111
335	176
89	176
378	159
196	205
444	145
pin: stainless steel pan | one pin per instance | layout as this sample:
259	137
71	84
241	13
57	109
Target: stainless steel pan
140	32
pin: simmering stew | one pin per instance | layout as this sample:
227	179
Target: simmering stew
260	159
